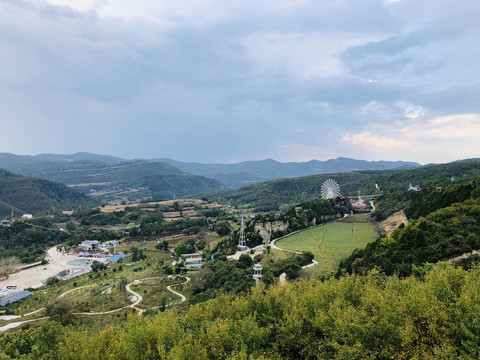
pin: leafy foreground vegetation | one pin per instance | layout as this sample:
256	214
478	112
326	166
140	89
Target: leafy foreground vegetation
434	316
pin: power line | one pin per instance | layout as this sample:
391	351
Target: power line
43	227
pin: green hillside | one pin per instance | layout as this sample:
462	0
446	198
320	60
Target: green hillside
441	235
179	185
32	195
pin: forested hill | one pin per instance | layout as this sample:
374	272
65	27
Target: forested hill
24	194
394	183
441	235
109	178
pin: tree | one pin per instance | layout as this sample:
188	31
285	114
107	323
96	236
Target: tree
183	248
70	225
60	311
8	264
201	280
122	285
98	266
245	260
161	245
176	206
222	228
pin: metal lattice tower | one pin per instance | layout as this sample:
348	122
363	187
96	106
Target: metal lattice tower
242	243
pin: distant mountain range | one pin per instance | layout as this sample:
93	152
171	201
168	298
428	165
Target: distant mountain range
111	178
248	172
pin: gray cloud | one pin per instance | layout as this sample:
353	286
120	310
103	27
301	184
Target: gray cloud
229	81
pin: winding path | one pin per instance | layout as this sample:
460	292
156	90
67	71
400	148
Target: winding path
182	297
138	299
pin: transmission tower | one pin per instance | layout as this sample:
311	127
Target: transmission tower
242	243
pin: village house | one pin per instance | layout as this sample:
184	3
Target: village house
109	244
89	245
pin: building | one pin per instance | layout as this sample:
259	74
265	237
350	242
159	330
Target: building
14	297
90	245
27	216
109	244
115	258
257	273
192	258
5	223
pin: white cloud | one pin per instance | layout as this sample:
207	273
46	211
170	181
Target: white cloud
443	138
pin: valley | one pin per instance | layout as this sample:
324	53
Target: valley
182	259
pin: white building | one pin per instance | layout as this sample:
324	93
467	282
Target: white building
91	245
109	244
195	258
5	222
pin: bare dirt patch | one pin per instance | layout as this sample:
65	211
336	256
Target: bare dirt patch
392	222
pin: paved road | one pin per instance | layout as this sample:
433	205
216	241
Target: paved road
36	276
17	324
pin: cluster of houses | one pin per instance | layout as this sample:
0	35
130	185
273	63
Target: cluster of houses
94	245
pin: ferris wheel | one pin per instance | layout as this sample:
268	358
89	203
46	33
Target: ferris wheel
330	189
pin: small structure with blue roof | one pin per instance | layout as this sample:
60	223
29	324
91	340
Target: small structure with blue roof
115	258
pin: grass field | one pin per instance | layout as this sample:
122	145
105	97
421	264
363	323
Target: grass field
331	242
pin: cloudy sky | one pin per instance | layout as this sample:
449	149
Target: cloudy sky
226	81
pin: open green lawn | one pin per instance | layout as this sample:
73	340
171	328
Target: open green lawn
331	242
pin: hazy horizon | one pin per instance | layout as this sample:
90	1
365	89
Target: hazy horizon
211	162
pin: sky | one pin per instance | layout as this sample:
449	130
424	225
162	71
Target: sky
226	81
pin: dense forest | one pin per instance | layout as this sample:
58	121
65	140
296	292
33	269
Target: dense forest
433	196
